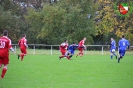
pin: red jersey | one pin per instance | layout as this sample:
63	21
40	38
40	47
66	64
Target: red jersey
22	43
63	47
5	45
81	43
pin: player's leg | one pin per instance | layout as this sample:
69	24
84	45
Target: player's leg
121	53
80	52
111	55
23	50
4	71
20	55
115	55
63	54
0	62
68	54
72	53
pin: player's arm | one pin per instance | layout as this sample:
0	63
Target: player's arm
19	42
10	46
25	43
128	44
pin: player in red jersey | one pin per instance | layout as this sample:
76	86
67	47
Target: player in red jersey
81	47
63	47
5	45
23	45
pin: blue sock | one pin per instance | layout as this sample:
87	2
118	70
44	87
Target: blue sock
111	56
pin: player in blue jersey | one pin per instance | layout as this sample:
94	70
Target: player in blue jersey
112	48
70	52
123	45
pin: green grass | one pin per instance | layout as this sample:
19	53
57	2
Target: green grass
47	71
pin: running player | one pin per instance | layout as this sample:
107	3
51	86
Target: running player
112	48
123	45
5	45
70	52
23	45
63	47
81	47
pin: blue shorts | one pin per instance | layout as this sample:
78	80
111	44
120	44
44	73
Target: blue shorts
122	52
69	51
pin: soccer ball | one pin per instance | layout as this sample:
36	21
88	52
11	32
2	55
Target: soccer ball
113	50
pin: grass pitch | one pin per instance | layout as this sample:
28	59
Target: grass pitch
47	71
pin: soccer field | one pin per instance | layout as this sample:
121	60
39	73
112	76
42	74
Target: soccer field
47	71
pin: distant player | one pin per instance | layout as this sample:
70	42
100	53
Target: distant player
112	48
5	45
63	47
81	47
70	52
22	45
123	45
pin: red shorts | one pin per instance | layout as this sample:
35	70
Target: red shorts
80	49
23	50
63	53
4	60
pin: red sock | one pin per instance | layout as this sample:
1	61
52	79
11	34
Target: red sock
3	72
22	56
68	57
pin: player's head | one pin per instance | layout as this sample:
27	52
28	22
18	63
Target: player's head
23	35
66	41
112	39
123	36
84	39
5	33
74	43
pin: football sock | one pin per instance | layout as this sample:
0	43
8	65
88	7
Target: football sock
118	60
3	72
22	56
121	57
70	56
111	56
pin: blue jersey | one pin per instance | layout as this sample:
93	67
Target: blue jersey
123	43
72	47
113	45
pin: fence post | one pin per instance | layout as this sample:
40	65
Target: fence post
34	47
15	50
51	50
102	50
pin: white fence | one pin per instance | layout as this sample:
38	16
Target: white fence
54	49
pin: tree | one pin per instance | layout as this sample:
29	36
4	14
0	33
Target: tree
61	21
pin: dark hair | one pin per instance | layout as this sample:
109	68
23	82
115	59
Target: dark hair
5	32
23	35
73	42
65	40
123	36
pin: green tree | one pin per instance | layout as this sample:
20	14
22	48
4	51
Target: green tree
60	21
